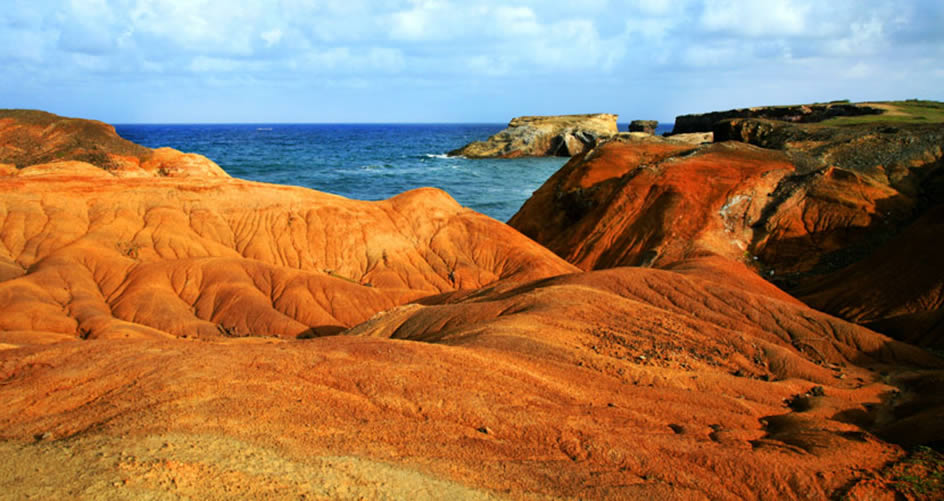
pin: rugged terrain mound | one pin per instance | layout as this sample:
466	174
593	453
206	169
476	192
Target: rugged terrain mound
211	338
798	202
31	137
639	201
558	135
90	255
627	383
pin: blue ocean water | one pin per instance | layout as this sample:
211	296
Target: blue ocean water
361	161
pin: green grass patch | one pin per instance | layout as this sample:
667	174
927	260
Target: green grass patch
921	475
909	111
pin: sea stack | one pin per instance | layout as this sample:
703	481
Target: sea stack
538	136
645	126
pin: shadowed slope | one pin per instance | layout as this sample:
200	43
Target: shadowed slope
898	290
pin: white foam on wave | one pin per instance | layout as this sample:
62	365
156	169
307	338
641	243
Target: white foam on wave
438	155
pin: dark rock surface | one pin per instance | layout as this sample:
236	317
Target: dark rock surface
647	126
808	113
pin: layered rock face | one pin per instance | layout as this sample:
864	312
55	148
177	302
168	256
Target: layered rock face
40	139
812	201
807	113
652	202
203	257
207	337
560	135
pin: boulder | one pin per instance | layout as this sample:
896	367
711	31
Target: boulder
646	126
650	201
560	135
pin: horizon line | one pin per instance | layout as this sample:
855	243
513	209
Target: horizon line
328	123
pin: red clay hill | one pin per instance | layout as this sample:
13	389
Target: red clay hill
845	216
211	338
36	138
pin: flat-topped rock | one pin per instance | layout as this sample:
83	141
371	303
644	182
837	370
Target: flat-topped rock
538	136
805	113
646	126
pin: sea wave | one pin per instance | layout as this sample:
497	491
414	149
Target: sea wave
437	155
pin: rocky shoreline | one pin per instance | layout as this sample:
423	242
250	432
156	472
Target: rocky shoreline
560	135
659	318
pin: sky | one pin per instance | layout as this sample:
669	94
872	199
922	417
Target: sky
273	61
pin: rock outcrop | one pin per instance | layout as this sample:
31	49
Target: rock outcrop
797	204
651	202
30	137
463	392
561	135
807	113
207	337
204	257
646	126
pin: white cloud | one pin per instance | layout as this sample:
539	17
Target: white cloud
426	20
486	46
718	56
515	22
271	37
24	45
861	39
757	18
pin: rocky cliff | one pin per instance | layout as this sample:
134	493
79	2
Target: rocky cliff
796	202
807	113
562	135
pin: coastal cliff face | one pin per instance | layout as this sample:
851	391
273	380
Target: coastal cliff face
561	135
202	336
797	203
807	113
34	138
